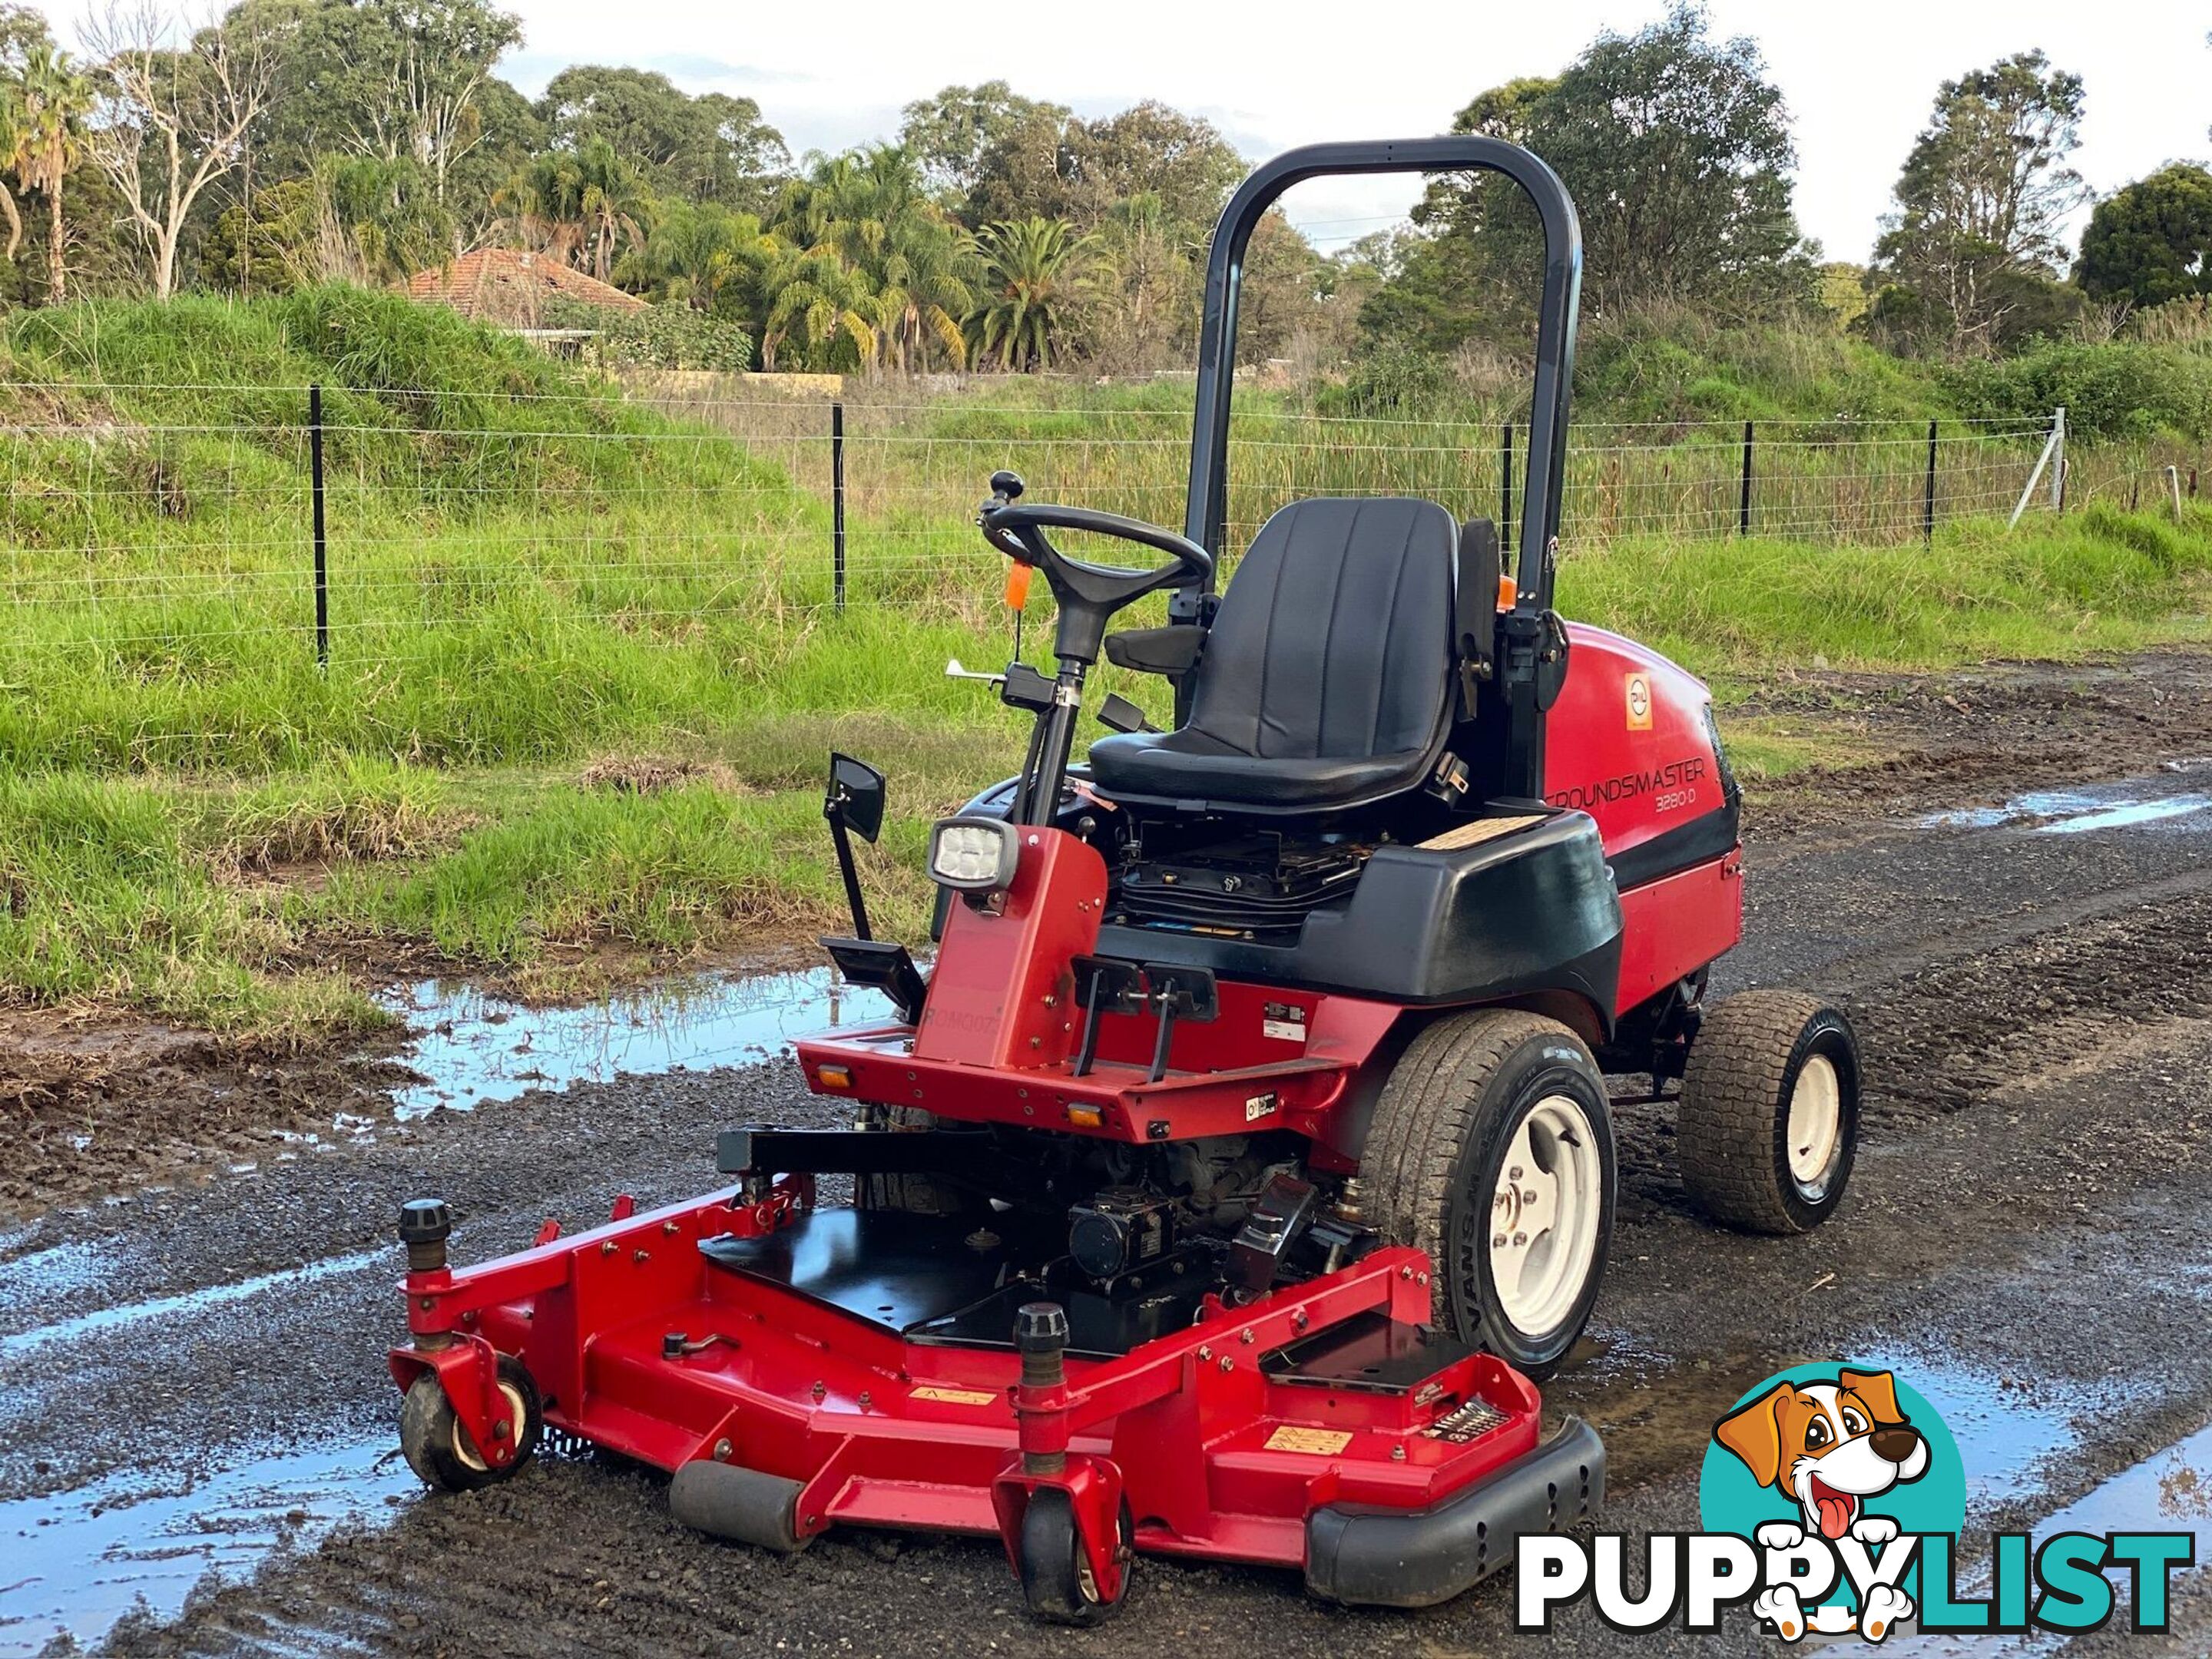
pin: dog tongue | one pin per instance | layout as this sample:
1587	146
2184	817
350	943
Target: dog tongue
1835	1516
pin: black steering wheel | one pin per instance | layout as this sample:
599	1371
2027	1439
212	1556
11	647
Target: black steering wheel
1087	593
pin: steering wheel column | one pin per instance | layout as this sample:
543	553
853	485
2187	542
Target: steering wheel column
1087	596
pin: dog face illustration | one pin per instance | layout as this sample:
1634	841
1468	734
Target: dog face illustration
1829	1445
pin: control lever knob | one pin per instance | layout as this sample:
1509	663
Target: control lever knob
1006	485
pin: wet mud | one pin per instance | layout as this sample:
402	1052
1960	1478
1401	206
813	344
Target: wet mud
194	1422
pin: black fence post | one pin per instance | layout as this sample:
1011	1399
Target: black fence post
1928	501
1506	488
1743	504
322	543
837	501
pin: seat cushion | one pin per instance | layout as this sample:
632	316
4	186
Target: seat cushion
1326	674
1189	765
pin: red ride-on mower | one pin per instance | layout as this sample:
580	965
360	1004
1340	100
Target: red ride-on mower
1248	1145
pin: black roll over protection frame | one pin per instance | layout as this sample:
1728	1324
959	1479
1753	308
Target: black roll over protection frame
1524	629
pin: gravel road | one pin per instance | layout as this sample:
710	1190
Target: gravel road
191	1373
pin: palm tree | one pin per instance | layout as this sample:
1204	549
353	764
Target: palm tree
870	209
1032	275
11	127
51	104
697	251
581	205
815	292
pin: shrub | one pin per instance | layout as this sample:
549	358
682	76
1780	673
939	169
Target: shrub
2112	390
659	336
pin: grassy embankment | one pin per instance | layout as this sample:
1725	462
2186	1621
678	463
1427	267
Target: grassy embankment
581	682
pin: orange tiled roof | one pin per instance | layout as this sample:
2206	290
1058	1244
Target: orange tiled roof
502	285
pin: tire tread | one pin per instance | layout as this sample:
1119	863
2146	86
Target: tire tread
1725	1123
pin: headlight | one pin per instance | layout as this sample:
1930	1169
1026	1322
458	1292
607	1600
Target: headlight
976	855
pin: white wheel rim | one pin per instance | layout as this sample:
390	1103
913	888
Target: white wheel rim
465	1453
1815	1129
1544	1215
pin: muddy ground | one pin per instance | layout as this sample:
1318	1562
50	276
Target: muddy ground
192	1372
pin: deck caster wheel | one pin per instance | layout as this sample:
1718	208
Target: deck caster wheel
439	1449
1491	1149
1056	1577
1768	1125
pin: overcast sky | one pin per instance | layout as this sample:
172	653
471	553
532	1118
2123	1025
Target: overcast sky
1858	78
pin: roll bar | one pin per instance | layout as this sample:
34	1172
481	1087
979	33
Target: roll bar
1207	505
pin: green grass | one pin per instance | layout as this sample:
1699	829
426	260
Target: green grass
584	674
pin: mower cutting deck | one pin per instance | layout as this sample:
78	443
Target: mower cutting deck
1248	1144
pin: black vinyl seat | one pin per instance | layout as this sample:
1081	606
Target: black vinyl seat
1327	672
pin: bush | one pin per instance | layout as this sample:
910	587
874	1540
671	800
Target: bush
659	336
2112	390
1394	379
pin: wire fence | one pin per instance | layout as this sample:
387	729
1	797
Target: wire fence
370	528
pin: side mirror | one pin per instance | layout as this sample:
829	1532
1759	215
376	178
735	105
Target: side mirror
856	796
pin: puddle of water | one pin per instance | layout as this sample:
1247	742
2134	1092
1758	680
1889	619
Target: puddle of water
188	1301
475	1047
77	1563
2005	1435
2074	811
2168	1492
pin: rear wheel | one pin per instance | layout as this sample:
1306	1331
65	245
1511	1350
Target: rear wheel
1768	1125
1491	1149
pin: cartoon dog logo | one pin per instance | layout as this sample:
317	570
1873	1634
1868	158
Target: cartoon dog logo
1829	1447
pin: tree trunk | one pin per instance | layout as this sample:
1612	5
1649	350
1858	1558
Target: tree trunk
57	276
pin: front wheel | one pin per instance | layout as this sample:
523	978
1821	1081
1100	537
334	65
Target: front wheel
440	1449
1491	1149
1057	1581
1767	1128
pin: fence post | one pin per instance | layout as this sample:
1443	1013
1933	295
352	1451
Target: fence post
1743	507
1928	501
1506	488
322	543
837	501
2058	473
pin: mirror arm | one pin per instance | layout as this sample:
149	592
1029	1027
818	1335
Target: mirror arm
833	809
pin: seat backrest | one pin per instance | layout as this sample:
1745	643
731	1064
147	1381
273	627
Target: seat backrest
1334	635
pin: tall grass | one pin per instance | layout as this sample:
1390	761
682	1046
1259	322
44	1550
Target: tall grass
583	664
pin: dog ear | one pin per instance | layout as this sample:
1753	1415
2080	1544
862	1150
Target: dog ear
1877	1389
1753	1433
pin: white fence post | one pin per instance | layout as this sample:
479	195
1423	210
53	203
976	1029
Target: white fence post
2054	446
2058	465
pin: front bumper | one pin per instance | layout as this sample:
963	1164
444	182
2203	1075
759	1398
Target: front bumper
1367	1556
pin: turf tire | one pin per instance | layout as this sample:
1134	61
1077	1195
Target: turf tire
1442	1127
1732	1127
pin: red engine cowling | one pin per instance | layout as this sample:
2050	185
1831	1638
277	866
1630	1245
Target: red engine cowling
1632	742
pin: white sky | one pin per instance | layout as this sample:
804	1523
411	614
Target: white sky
1858	79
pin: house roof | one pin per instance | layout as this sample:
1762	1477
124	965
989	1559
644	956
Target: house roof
503	285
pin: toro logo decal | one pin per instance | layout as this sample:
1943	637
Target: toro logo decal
1640	701
1833	1498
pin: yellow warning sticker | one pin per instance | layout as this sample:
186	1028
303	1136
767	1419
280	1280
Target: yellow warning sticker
945	1396
1321	1443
